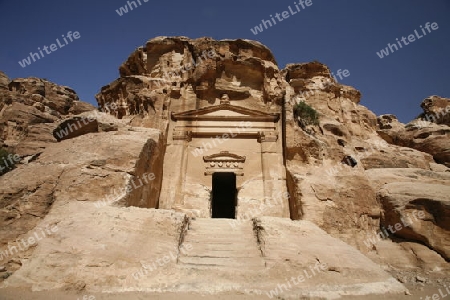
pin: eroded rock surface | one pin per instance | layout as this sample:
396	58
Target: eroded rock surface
418	198
428	133
4	81
342	199
118	168
173	69
29	110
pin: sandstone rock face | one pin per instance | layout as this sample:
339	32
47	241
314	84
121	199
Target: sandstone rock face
417	198
57	98
436	109
4	81
74	127
201	70
428	133
435	203
29	109
342	199
345	129
408	260
114	169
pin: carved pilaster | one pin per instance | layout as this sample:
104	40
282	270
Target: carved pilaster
182	135
267	136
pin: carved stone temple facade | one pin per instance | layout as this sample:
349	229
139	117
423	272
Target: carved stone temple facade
224	160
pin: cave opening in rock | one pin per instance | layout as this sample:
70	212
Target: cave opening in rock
223	203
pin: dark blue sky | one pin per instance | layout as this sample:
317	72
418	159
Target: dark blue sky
344	34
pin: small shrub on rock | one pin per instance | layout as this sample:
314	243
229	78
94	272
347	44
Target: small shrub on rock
305	115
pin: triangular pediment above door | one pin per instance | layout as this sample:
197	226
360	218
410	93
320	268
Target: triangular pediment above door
225	112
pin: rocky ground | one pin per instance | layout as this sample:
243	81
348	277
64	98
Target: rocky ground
13	294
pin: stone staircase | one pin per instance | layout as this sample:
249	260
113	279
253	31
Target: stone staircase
221	243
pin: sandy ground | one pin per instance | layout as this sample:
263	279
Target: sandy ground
23	294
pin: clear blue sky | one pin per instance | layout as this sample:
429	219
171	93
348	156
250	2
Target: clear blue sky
344	34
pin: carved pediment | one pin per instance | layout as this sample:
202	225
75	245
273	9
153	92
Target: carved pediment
224	161
226	112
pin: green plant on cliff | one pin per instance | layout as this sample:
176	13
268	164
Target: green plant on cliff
305	115
6	161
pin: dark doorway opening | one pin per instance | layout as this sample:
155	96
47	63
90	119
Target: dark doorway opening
223	195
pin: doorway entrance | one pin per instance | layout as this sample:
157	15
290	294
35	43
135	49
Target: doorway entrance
223	195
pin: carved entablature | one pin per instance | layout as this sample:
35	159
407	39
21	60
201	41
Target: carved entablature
225	118
224	162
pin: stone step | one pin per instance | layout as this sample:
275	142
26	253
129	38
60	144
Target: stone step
245	237
224	227
220	222
224	246
235	236
228	228
218	244
232	262
222	253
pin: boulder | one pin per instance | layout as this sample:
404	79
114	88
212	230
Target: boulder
417	202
